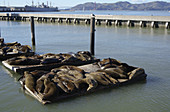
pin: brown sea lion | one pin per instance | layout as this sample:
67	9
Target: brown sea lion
69	59
49	55
117	69
84	55
68	84
109	66
92	79
109	61
13	44
24	61
40	84
113	74
65	74
24	48
102	78
50	89
38	73
71	71
60	84
50	60
136	72
29	81
126	68
70	67
75	74
64	57
92	83
40	81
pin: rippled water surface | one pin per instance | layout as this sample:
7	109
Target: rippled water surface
143	47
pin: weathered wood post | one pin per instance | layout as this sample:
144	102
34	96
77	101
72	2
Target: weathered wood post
0	31
92	34
32	30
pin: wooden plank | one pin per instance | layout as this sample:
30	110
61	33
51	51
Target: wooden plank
90	67
13	68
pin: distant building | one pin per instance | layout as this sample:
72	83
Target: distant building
39	8
4	9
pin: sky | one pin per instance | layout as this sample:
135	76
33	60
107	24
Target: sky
64	3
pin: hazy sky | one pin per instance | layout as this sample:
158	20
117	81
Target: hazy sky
64	3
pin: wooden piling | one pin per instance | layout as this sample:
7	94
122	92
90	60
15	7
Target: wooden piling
167	25
0	32
32	30
92	34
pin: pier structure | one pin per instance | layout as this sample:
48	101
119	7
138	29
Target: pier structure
117	20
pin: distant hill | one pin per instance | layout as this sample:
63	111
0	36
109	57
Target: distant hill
157	5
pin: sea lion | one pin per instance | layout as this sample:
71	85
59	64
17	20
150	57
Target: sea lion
38	73
15	51
136	72
30	61
85	55
50	89
38	56
126	68
92	83
109	66
9	49
6	49
75	74
71	71
13	44
63	57
109	61
24	48
113	73
50	60
100	77
40	81
65	74
40	84
69	59
67	83
70	67
24	61
49	55
81	57
55	70
60	84
29	81
117	69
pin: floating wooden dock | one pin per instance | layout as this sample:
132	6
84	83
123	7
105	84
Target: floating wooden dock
21	68
89	68
118	20
48	66
123	82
